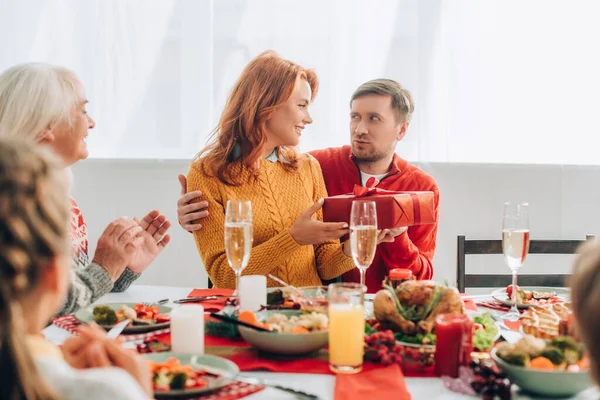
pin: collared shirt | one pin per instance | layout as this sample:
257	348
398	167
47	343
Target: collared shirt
273	156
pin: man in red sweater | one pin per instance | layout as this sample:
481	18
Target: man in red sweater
380	112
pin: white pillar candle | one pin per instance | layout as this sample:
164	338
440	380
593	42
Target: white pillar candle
187	329
253	292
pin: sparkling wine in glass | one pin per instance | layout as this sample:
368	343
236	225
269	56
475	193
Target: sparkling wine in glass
363	235
238	237
515	246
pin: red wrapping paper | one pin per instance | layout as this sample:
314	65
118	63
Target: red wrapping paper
394	209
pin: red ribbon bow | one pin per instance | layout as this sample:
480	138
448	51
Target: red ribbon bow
369	189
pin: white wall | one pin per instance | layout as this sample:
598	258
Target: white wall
564	203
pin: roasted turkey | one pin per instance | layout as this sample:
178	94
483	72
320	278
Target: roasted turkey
413	306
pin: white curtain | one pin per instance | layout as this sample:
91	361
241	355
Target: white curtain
508	81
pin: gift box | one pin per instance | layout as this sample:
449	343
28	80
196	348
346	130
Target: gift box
394	209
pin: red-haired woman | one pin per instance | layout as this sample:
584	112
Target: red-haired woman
252	157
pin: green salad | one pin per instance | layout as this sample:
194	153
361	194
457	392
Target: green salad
483	339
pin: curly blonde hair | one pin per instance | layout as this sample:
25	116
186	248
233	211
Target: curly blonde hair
34	217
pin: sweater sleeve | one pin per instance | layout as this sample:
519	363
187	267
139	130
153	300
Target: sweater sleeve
125	280
264	258
87	285
331	260
90	384
414	248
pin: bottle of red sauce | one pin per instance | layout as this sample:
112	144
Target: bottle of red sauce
453	344
399	275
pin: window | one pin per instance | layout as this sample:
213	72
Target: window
493	81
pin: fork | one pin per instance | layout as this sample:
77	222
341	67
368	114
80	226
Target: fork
292	287
156	303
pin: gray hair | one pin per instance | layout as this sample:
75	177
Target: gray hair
35	97
402	102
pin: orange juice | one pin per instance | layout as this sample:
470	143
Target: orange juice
346	337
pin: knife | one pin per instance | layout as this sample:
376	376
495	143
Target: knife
263	382
238	322
199	299
117	329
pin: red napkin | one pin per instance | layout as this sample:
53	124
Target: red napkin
212	305
469	303
382	383
513	325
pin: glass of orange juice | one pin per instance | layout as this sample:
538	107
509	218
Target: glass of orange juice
346	327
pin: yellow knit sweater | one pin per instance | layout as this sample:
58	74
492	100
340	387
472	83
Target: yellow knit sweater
278	197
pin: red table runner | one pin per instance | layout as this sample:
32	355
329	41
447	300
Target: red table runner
250	359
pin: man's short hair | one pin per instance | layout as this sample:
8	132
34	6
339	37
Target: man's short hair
402	102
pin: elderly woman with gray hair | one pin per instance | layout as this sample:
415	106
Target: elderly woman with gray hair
47	104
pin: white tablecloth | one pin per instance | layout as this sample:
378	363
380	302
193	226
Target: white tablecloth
321	385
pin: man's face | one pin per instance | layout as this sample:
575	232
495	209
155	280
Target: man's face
374	128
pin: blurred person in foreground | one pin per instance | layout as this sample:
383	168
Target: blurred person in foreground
585	300
34	279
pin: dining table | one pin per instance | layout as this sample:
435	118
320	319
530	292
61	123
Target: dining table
430	388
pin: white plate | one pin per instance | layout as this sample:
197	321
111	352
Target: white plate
501	296
86	315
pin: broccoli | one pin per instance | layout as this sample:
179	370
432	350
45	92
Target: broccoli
553	354
104	315
178	381
519	358
564	343
569	347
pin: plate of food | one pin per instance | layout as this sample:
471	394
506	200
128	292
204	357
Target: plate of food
292	332
144	318
532	296
178	375
556	368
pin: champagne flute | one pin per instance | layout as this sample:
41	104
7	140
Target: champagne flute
515	246
363	235
238	238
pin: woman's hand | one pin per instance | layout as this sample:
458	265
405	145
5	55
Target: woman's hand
188	212
117	245
155	238
307	230
93	349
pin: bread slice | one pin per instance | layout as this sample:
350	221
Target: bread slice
543	321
